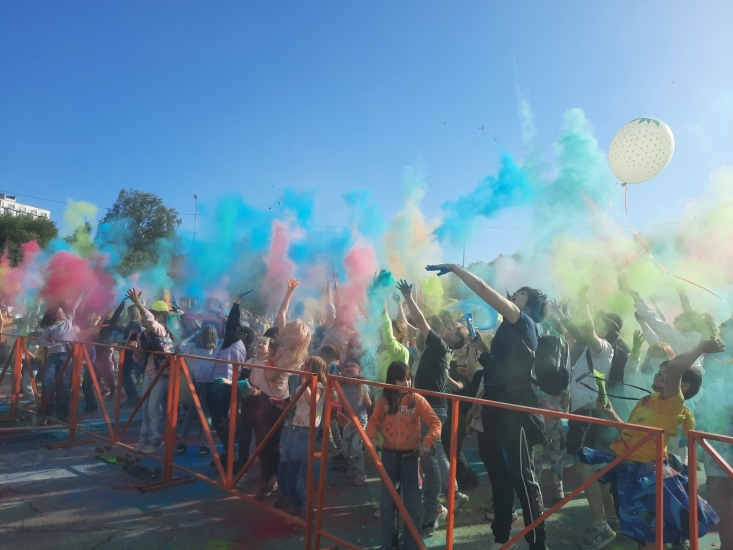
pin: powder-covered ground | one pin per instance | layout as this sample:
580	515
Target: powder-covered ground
68	499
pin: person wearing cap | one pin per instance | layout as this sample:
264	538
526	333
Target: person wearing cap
154	337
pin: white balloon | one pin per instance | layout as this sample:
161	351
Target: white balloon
641	150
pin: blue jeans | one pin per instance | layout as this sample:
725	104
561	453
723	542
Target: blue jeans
151	430
293	463
408	472
436	471
58	402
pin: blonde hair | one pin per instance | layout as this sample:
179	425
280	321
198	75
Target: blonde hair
399	329
292	345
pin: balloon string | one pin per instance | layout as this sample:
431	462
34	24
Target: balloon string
649	253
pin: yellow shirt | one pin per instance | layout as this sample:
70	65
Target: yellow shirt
652	411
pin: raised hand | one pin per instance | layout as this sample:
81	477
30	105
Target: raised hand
638	342
712	346
404	287
441	269
292	284
134	296
397	298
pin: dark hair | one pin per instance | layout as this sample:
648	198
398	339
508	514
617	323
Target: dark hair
462	335
614	324
248	337
272	333
693	376
330	353
46	320
536	303
397	370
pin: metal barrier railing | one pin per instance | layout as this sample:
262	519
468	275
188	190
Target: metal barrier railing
175	366
694	438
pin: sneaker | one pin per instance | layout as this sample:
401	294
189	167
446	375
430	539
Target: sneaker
282	502
243	482
181	449
596	539
614	523
429	528
141	445
378	514
486	506
359	480
461	501
266	490
351	472
203	451
150	448
491	516
495	545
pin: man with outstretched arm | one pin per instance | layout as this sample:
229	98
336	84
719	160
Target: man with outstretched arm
510	436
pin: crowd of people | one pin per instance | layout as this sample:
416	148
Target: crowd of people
592	373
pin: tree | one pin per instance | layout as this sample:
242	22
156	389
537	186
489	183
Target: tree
17	230
145	220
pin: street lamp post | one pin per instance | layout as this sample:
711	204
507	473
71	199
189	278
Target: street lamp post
196	215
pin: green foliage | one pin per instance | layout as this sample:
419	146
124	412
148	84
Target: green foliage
17	230
146	220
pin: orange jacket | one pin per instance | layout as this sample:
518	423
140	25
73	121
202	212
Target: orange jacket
401	431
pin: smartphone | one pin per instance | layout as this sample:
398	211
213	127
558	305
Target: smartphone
469	323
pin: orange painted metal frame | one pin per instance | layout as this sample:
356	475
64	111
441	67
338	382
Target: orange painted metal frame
694	438
314	532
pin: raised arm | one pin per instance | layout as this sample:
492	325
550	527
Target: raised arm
402	317
677	366
417	315
684	299
118	312
505	307
585	322
658	309
282	315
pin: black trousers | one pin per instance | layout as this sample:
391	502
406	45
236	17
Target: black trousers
127	381
509	462
462	467
87	388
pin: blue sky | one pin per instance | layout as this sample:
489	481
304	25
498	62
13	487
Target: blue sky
251	97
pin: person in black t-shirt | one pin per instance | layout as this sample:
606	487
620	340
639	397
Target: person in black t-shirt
510	436
432	375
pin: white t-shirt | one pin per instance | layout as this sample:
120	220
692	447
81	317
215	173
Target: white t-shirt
580	396
272	388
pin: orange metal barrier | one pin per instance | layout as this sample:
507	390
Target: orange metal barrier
175	367
694	438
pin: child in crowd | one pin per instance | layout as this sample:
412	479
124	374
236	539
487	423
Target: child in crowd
331	355
294	441
395	336
204	345
676	381
397	416
58	328
351	446
154	337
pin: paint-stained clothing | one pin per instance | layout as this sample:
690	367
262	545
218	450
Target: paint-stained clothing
401	431
668	414
150	324
63	330
394	351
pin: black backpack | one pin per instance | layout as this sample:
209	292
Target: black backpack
552	359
